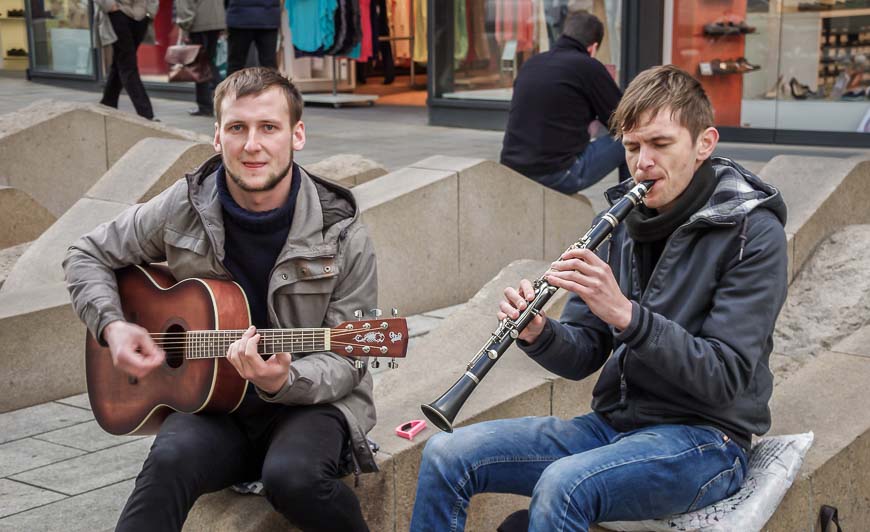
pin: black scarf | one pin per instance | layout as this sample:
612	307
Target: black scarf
649	225
650	229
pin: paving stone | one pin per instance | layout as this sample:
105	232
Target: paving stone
81	401
30	453
37	419
86	436
17	497
91	471
95	511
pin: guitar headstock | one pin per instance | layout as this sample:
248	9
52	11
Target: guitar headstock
375	337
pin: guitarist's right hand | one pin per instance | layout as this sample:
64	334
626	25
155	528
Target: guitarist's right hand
133	350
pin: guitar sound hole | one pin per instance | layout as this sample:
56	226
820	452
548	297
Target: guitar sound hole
174	346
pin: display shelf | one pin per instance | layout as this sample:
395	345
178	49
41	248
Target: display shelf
13	34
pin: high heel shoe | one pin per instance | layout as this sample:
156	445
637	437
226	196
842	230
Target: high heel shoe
799	91
773	92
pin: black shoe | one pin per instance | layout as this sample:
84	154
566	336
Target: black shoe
200	112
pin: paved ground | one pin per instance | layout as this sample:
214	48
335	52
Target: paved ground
58	469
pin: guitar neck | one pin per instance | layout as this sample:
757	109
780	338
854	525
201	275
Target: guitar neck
214	344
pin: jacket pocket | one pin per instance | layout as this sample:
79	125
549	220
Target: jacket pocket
722	485
195	243
304	303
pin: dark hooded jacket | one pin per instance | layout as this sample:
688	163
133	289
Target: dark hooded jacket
697	349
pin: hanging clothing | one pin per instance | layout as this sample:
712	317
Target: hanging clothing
478	47
515	21
460	30
399	13
421	33
312	23
367	41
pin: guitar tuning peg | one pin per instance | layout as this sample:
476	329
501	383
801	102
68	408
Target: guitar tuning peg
376	312
392	364
375	364
394	312
359	364
358	314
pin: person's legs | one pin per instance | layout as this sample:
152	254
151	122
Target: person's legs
130	34
598	159
302	469
267	47
193	454
205	90
503	456
644	474
238	43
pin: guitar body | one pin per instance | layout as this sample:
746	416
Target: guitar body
153	300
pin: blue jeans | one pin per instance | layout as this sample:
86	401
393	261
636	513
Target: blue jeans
578	471
597	160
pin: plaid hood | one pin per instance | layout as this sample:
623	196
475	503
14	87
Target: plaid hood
738	192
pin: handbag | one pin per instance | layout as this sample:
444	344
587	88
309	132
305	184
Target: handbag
188	62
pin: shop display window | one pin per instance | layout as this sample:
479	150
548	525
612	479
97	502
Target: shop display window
492	38
779	64
61	36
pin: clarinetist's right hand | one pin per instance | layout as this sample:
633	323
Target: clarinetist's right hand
516	301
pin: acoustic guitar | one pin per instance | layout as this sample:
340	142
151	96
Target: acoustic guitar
194	321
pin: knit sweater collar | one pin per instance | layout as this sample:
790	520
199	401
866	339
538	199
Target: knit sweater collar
270	220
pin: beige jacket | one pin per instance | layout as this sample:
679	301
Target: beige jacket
104	35
326	271
194	16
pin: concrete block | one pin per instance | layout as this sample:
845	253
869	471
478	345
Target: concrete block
43	348
53	161
16	497
86	436
500	220
566	220
147	168
857	343
488	510
124	130
348	169
447	163
412	216
8	258
790	250
23	218
795	512
573	398
41	263
26	422
442	313
30	453
819	205
91	471
420	324
94	511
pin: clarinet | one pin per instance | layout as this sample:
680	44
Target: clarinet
443	411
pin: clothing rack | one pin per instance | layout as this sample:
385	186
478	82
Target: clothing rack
338	99
410	39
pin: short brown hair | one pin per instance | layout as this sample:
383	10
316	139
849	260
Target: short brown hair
256	80
584	27
664	87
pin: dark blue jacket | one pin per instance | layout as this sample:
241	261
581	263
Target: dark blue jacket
697	349
254	14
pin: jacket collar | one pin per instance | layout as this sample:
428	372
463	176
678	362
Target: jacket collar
323	209
571	44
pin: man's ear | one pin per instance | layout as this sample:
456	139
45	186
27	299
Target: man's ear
217	138
706	144
298	136
592	49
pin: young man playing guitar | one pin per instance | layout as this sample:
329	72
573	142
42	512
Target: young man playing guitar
296	246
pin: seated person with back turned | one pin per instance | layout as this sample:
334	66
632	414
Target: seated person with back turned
557	95
249	214
677	310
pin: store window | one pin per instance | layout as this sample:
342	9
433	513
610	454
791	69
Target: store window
780	64
492	38
61	36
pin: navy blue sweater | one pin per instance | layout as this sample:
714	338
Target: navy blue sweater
253	242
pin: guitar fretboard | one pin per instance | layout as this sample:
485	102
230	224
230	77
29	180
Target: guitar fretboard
214	344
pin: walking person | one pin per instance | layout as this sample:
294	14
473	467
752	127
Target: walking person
201	22
125	24
252	22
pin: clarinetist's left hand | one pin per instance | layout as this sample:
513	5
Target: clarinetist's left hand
582	272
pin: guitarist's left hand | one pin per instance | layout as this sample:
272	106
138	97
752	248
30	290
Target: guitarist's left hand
267	375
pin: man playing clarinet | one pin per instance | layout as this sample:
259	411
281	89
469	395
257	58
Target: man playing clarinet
677	310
